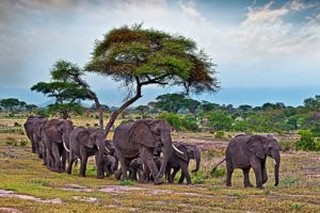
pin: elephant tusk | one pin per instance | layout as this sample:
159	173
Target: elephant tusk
177	150
65	147
274	162
105	148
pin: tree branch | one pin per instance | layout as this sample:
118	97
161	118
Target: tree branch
115	114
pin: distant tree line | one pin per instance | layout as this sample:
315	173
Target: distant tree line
187	114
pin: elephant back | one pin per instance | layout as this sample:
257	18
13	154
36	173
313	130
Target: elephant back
122	143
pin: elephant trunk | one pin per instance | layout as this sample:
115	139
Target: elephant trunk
197	158
276	158
167	150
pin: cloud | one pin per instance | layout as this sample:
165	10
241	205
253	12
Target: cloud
35	33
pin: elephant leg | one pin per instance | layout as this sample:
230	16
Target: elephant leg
147	157
99	165
171	176
264	173
56	158
184	173
64	160
83	165
257	171
246	179
145	175
229	175
71	160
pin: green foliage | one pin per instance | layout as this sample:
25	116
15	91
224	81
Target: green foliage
12	105
66	88
219	134
219	172
219	120
307	141
297	206
127	182
180	122
197	178
150	56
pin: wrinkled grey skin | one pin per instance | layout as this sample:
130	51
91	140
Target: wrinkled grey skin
55	132
135	169
34	126
139	138
179	161
83	143
246	151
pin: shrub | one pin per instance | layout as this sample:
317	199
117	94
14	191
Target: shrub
286	145
219	134
126	182
218	172
197	178
307	141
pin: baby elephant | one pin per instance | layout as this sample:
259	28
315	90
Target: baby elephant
180	160
109	164
135	170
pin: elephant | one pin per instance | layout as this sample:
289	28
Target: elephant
139	138
34	126
83	143
109	164
55	132
179	161
246	151
135	169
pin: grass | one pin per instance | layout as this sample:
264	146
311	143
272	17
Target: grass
23	174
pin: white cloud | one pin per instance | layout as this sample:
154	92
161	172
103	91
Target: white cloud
41	32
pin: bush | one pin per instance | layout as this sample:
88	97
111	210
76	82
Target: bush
286	145
197	178
307	141
180	122
218	172
219	134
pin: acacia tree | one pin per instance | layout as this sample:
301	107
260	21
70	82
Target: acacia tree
12	104
139	57
66	87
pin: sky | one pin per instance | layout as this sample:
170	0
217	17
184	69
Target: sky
258	45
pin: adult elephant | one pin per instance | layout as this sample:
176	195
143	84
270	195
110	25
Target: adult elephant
181	161
56	131
83	143
246	151
34	128
139	138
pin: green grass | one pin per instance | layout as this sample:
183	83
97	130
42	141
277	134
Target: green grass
23	173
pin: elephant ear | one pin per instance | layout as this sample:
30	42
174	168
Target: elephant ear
141	133
85	136
256	145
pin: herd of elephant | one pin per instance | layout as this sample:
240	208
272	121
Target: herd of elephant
142	150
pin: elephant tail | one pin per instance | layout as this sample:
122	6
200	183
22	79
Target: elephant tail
215	168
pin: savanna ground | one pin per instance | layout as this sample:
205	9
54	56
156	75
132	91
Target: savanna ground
28	186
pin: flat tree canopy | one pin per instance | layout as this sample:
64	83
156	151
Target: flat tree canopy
137	57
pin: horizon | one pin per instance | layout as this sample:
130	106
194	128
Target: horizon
294	96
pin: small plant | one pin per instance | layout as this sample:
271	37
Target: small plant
296	206
218	172
23	143
289	181
87	125
198	178
219	134
126	182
